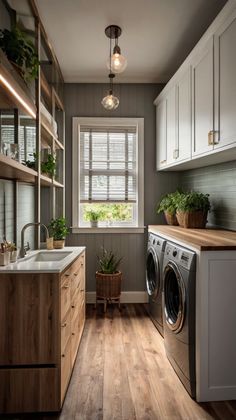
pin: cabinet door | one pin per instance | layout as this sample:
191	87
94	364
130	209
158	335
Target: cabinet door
184	136
161	151
202	91
171	125
225	83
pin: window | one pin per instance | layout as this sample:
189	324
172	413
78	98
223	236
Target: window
108	173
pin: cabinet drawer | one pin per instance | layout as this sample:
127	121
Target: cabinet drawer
65	330
65	297
65	369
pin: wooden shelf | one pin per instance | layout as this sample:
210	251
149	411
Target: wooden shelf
15	88
11	169
45	86
48	182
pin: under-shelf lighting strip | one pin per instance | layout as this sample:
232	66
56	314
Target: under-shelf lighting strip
17	96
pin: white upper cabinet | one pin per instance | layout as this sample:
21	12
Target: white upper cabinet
202	103
184	134
225	82
198	122
171	125
161	146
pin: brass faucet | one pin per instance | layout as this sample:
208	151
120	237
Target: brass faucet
22	249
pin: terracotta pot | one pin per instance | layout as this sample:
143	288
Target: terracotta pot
193	219
171	219
59	244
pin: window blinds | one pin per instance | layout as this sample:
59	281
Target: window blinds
108	164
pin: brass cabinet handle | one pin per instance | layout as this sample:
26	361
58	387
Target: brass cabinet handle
82	290
211	137
66	286
67	275
76	274
64	325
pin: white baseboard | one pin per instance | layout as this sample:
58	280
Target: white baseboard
126	297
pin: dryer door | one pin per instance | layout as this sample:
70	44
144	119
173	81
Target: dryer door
174	297
153	274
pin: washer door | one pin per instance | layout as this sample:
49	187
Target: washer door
174	297
152	273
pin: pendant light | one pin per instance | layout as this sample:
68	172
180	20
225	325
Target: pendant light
110	102
118	61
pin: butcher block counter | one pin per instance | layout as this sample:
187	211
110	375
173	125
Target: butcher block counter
200	239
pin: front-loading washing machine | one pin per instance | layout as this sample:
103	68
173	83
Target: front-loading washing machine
154	283
179	280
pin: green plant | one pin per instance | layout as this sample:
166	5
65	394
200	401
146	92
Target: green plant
21	51
193	201
108	262
58	228
169	202
49	167
93	215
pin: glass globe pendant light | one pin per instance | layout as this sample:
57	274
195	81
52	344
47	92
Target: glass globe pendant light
110	102
118	61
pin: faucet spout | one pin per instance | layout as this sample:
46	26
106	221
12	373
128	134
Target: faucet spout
22	249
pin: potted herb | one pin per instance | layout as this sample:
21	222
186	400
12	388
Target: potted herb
192	209
108	278
168	205
48	167
93	216
58	230
20	50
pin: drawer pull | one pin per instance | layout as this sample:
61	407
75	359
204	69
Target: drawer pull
73	333
76	274
163	161
73	306
64	325
67	275
63	355
82	290
66	286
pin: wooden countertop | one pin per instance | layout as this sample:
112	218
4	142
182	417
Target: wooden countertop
201	239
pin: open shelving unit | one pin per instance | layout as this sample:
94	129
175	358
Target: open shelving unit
39	109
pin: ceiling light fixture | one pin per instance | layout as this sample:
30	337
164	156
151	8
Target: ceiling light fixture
118	61
110	102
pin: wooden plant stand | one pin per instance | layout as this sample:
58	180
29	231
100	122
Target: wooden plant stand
108	288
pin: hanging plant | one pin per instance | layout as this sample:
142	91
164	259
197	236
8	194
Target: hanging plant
20	50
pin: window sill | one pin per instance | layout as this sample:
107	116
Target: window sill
108	230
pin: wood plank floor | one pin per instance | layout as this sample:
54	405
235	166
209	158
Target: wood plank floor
122	373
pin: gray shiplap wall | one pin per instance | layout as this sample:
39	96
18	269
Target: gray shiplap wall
136	100
220	182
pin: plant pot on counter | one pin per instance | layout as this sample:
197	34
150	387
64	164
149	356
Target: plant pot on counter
171	219
192	220
59	244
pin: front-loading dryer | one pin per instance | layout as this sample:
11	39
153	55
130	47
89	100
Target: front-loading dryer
154	283
179	279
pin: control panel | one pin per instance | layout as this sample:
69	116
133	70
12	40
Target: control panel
156	242
182	256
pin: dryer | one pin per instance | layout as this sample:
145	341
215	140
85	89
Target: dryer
179	279
154	283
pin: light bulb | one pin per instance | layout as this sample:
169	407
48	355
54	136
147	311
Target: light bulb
110	102
118	63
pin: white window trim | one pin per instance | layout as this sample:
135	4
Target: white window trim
123	122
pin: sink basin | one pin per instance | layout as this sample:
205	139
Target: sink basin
44	256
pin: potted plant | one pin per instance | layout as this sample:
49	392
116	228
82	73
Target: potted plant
48	167
192	209
58	230
108	278
168	205
93	216
21	52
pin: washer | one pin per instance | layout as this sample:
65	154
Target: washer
179	279
154	283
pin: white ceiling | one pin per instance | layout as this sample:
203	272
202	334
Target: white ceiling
157	35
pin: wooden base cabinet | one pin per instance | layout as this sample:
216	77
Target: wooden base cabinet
42	319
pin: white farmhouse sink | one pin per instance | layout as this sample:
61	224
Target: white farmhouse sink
44	256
